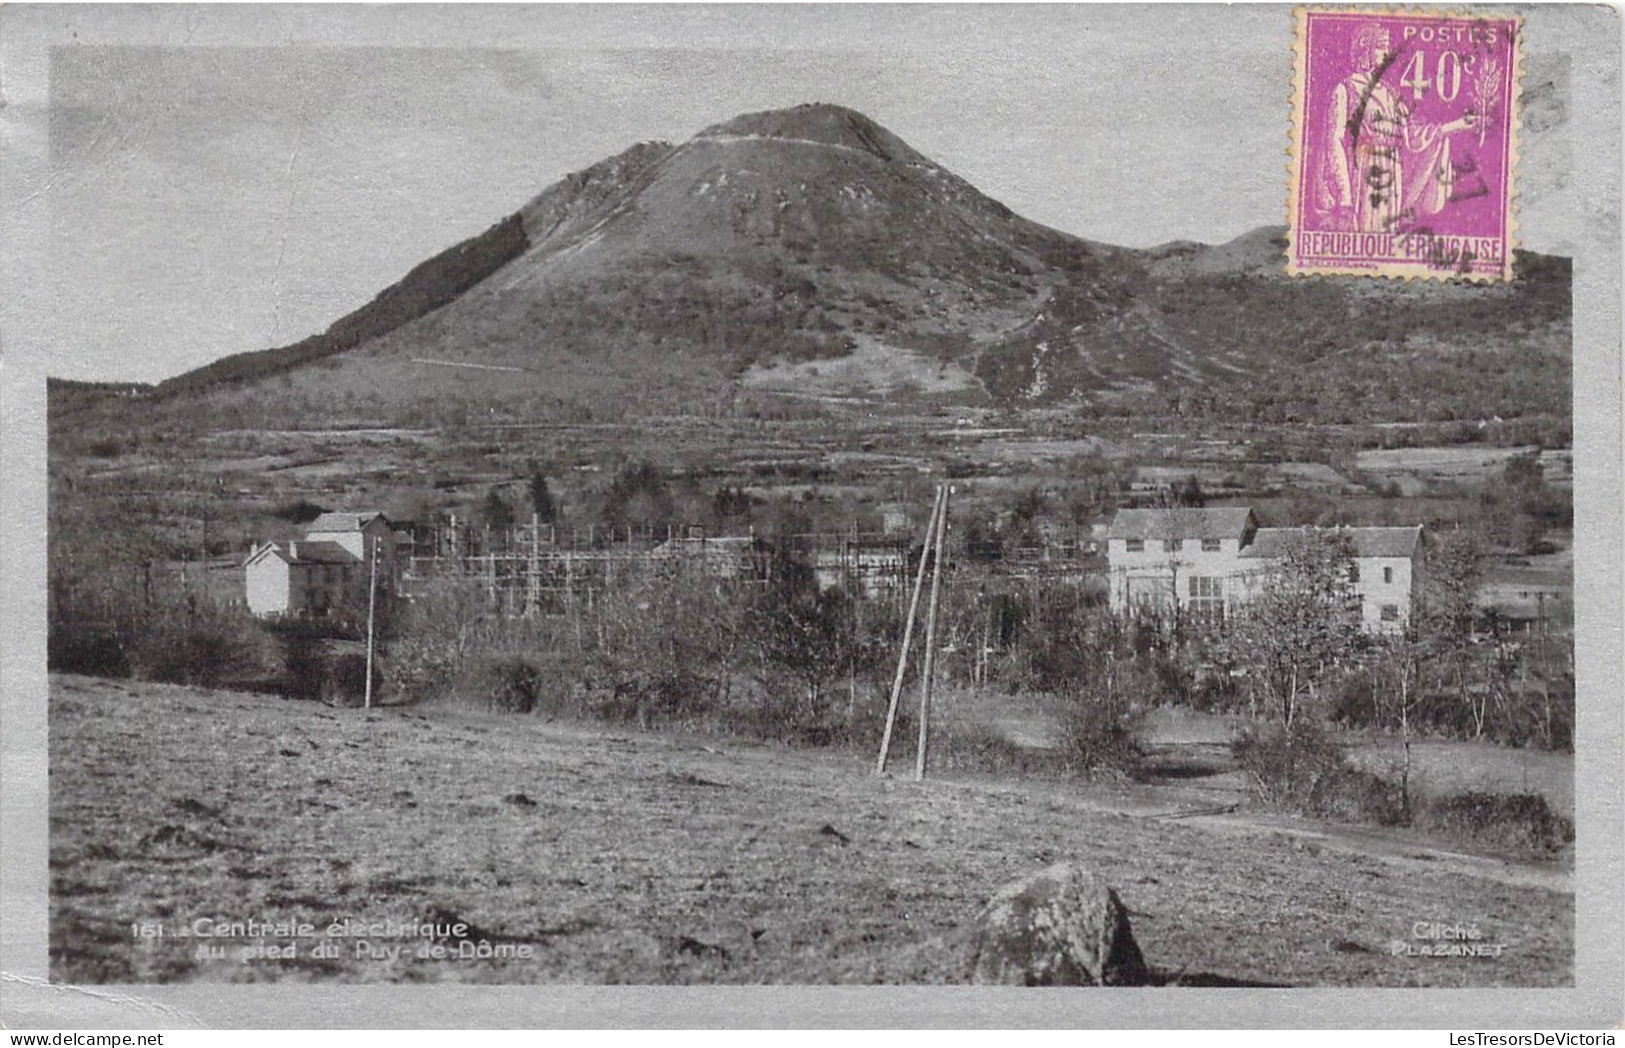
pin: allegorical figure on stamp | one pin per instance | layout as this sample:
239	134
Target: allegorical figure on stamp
1382	168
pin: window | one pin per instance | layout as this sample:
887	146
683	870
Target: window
1390	613
1134	545
1206	586
1170	545
1206	596
1354	572
1210	545
1388	575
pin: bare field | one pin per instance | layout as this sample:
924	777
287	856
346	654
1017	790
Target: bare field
1468	462
615	856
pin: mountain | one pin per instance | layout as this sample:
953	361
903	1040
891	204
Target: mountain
812	251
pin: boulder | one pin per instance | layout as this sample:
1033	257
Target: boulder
1061	926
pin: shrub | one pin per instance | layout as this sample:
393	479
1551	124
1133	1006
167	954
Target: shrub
345	678
206	645
1099	739
72	647
983	748
505	683
1303	770
1523	823
648	698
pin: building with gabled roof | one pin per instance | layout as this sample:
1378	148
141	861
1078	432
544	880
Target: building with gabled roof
300	578
1383	567
1210	562
1178	556
325	570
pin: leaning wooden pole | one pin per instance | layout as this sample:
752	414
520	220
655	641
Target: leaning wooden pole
908	634
929	666
372	606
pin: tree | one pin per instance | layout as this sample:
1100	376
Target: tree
495	511
541	499
1299	628
731	504
1450	609
1398	660
637	496
802	630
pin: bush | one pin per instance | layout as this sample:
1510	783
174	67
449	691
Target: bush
205	645
1303	770
505	683
1098	739
75	648
983	748
671	697
345	678
1523	823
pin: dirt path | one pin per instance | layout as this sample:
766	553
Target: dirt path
1199	786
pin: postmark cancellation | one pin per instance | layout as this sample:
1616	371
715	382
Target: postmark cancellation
1404	144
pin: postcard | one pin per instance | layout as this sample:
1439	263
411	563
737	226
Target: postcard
816	515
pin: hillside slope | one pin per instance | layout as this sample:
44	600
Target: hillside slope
668	278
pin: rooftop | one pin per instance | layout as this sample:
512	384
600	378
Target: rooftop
1229	522
1364	542
343	520
304	552
322	553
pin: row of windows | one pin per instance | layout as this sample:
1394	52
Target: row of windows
1172	545
1212	546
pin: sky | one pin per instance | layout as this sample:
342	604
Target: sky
226	179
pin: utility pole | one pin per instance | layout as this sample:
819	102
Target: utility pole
533	596
372	606
931	637
908	634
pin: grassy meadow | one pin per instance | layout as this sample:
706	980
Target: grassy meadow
611	855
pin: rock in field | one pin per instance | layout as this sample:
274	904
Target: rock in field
1062	926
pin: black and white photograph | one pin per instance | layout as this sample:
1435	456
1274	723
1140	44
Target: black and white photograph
813	496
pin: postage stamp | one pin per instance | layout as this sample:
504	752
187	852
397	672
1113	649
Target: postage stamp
1404	144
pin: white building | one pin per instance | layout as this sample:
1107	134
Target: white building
325	570
1156	557
1211	561
300	578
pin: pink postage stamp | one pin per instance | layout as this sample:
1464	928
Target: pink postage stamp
1404	142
